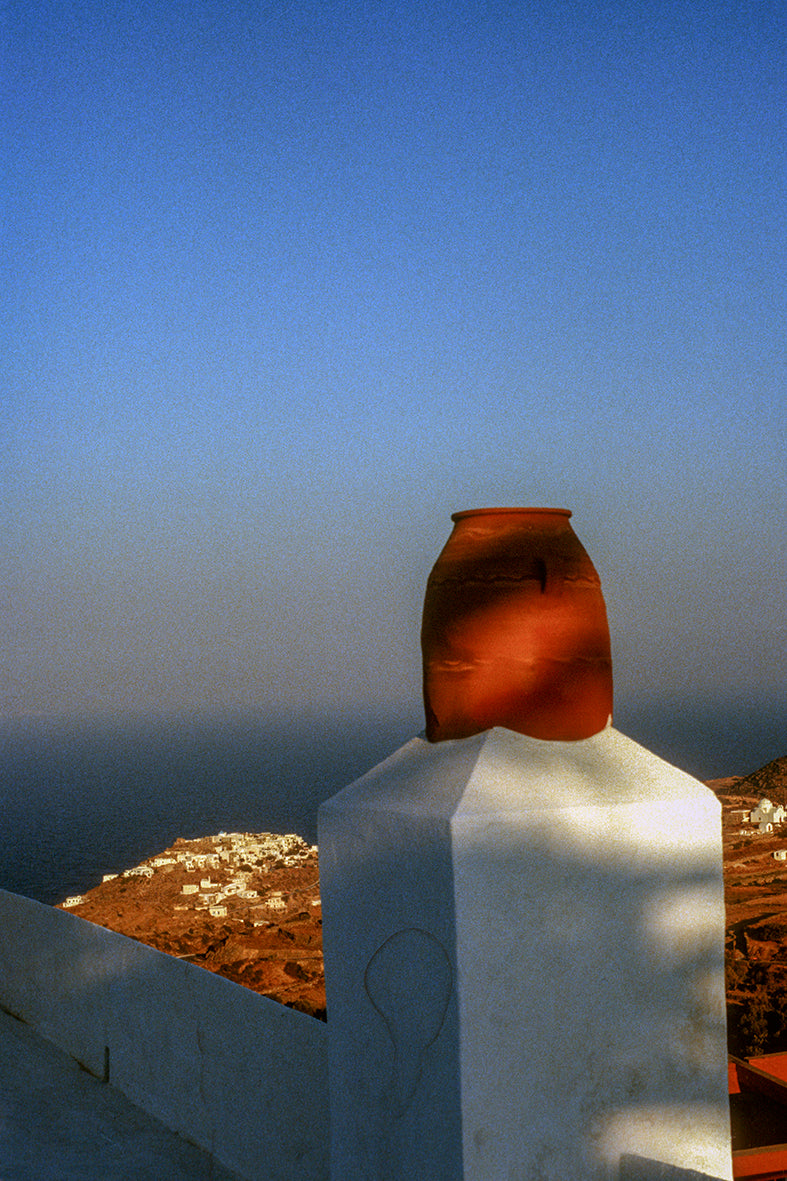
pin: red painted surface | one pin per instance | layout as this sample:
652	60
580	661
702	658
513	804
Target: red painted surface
751	1077
761	1164
766	1077
515	630
772	1064
733	1085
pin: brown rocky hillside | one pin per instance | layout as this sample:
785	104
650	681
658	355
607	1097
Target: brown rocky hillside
769	781
755	888
247	905
244	905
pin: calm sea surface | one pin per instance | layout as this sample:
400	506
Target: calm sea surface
79	801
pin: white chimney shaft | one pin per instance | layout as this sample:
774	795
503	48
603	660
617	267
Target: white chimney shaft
524	964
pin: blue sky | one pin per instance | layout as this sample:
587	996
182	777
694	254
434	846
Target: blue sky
290	283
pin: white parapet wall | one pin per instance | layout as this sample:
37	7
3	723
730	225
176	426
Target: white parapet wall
234	1072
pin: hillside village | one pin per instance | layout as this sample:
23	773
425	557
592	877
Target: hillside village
754	833
247	905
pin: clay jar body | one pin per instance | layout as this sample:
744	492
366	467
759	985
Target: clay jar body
515	630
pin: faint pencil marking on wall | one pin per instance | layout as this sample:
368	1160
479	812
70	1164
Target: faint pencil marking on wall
409	981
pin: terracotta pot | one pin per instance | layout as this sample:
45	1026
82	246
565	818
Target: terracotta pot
515	630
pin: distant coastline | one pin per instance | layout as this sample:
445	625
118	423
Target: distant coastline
82	798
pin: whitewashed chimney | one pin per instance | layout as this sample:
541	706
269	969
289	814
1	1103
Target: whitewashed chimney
524	964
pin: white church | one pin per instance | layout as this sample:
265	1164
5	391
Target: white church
766	815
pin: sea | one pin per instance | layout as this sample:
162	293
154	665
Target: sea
82	799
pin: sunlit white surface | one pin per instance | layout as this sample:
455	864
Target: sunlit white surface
577	889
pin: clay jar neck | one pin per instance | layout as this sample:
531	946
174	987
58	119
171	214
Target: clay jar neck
549	517
499	543
514	629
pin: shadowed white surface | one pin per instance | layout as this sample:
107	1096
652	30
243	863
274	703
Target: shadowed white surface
59	1123
234	1072
578	889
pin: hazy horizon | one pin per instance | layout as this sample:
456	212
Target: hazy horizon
82	800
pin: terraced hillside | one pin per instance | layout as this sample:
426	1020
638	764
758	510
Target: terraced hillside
248	906
755	880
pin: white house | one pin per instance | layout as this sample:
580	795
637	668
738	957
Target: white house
766	814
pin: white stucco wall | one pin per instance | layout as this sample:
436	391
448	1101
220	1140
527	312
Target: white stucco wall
524	953
236	1073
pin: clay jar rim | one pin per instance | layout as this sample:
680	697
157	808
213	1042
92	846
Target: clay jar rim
481	512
